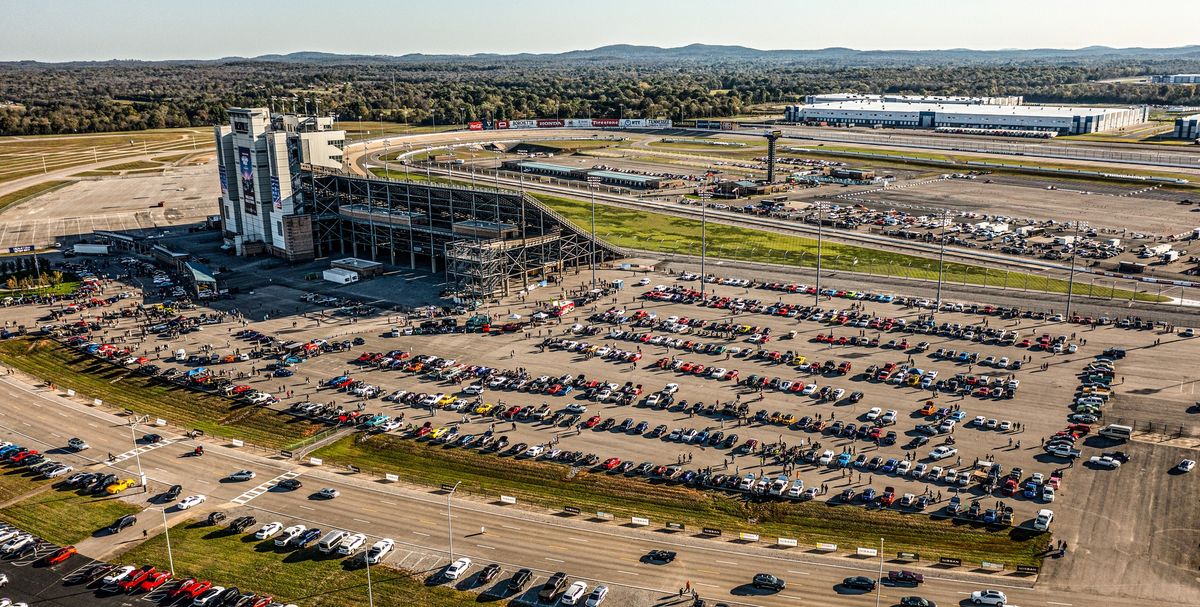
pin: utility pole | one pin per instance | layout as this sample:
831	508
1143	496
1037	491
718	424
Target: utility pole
1071	276
879	580
942	258
820	239
167	534
133	422
450	521
592	181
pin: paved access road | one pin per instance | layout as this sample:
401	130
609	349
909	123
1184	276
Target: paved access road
417	519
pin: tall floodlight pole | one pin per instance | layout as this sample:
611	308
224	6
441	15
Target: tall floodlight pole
820	241
879	580
450	520
370	592
133	422
1071	276
386	173
942	259
705	196
592	181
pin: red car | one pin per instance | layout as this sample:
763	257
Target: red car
23	455
592	421
60	555
183	587
610	463
198	589
154	581
136	578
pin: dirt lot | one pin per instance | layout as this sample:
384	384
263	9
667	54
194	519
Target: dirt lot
120	203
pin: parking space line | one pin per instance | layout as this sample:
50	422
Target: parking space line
798	572
554	559
420	533
1053	603
363	521
486	547
626	572
724	562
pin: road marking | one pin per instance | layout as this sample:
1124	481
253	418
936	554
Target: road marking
626	572
140	450
704	584
486	547
363	521
304	507
418	533
244	498
724	562
577	539
511	527
1053	603
555	560
798	572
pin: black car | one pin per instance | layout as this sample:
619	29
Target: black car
661	556
122	523
916	601
245	600
289	484
519	579
488	574
215	518
552	587
859	582
905	577
173	493
308	537
97	571
768	581
151	438
242	523
229	597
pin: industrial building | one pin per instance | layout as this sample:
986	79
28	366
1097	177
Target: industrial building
1187	127
612	178
1058	119
1176	79
258	159
856	97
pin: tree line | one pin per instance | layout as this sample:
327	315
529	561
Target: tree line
120	96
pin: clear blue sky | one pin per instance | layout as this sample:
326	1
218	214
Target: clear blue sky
64	30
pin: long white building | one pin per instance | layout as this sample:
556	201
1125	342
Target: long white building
1176	79
1187	127
258	156
1059	119
856	97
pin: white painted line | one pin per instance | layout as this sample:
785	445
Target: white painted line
304	507
626	572
577	539
486	547
555	560
798	572
511	527
1053	603
704	584
366	522
420	533
725	562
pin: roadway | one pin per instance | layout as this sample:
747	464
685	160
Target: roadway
416	518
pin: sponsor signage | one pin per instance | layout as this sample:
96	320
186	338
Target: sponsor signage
246	172
522	124
276	197
391	478
826	547
632	123
946	560
867	552
748	537
571	510
604	516
501	124
475	126
549	123
236	443
1028	569
639	521
579	123
605	122
675	526
507	499
710	531
22	249
990	566
224	180
658	123
316	461
285	453
787	541
908	556
447	487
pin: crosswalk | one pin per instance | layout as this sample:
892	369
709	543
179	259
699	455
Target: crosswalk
141	450
242	499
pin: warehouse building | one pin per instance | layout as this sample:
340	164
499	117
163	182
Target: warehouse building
856	97
1058	119
1176	79
1187	127
612	178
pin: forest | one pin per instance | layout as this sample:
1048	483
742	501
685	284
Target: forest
39	98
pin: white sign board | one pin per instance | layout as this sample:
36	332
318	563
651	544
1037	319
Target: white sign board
867	552
507	499
70	392
637	520
748	537
316	461
826	547
391	478
786	541
237	443
97	402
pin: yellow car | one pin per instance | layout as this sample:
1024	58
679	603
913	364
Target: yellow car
786	419
776	417
484	408
119	486
439	432
447	400
912	380
800	360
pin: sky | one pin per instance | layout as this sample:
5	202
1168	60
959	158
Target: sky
70	30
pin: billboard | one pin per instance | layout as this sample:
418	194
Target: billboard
579	123
522	124
549	123
605	122
658	123
475	126
224	179
246	171
501	124
276	196
632	123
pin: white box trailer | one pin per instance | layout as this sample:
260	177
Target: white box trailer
339	276
91	249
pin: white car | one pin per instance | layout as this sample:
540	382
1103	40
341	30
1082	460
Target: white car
379	550
888	417
576	408
979	421
942	452
1104	461
670	388
351	543
268	530
189	501
117	575
535	451
241	475
575	593
456	569
17	543
1186	465
826	458
328	493
599	593
209	597
59	471
1044	517
475	388
290	534
874	413
988	597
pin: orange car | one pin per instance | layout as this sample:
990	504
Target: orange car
928	409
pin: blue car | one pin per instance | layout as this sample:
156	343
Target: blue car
959	415
564	390
868	495
889	466
963	357
701	438
843	460
6	451
282	373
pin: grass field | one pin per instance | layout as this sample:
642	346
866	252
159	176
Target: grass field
357	131
22	194
119	387
62	288
305	577
65	517
30	155
13	484
548	485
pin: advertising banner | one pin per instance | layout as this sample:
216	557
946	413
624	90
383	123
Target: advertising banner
549	123
949	560
579	123
605	122
246	171
475	126
522	124
21	249
501	124
276	197
633	123
224	179
658	123
710	531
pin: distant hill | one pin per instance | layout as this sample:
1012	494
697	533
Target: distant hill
716	53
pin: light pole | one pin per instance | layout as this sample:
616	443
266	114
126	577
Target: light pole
167	534
1071	276
941	259
820	239
592	181
133	422
879	580
370	592
705	196
450	521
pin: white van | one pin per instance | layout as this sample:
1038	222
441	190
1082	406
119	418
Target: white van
330	542
1116	432
1044	517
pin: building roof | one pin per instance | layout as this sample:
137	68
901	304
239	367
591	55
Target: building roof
354	262
546	166
622	176
200	272
1039	111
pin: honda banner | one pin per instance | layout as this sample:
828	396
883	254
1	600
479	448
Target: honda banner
501	124
549	124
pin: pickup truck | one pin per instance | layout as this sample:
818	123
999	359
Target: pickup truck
1062	450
